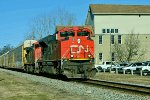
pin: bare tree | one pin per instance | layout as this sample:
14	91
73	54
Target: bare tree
40	27
64	18
46	24
119	52
132	44
6	48
130	50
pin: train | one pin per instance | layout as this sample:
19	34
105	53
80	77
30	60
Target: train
69	52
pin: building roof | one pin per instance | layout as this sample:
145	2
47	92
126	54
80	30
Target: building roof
108	9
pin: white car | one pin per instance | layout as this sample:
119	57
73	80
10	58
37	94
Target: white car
98	68
119	67
145	68
132	66
106	65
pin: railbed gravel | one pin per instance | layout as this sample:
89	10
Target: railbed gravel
75	88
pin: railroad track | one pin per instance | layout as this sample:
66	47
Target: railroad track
125	86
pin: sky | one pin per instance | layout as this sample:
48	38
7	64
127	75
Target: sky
17	15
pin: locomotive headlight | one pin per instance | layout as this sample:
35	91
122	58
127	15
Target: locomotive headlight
89	56
79	41
71	56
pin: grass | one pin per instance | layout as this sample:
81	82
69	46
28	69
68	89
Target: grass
14	88
17	88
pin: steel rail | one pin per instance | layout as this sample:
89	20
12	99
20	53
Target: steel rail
120	85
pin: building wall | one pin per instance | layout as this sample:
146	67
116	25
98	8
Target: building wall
125	24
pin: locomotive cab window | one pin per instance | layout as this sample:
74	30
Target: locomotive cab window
83	33
66	34
36	45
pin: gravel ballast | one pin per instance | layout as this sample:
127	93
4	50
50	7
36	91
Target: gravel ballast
91	93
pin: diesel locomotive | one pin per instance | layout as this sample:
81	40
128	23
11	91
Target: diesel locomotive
68	52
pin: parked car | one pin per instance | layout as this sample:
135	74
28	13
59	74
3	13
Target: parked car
119	66
145	68
106	65
132	66
123	64
98	68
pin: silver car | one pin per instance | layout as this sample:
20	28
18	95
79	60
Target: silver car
132	67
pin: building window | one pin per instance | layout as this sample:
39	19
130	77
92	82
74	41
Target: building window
100	56
116	30
103	31
119	39
108	31
100	39
112	30
113	56
112	39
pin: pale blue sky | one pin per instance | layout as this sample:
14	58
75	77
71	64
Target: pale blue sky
16	15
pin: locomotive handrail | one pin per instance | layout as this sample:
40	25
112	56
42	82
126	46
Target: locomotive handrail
91	52
65	53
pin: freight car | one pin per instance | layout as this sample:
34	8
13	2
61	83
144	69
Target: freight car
4	59
16	58
69	52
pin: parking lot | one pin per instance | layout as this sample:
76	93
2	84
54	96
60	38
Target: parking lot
138	68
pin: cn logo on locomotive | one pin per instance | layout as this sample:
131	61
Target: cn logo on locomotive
78	48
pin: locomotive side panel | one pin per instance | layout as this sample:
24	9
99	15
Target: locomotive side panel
27	45
50	48
29	56
37	52
65	50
